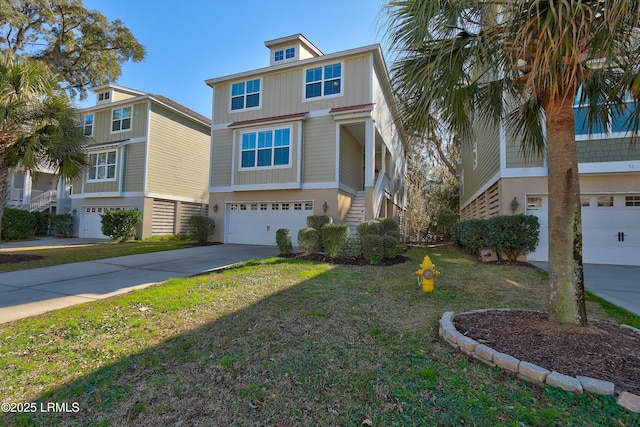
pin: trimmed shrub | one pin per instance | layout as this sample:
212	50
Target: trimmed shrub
309	240
62	225
513	235
17	225
43	223
120	225
370	227
352	249
283	240
472	234
390	247
334	238
389	224
372	248
200	228
318	221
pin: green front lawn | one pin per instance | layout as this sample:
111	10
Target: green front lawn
280	342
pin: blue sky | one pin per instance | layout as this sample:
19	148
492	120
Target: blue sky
189	41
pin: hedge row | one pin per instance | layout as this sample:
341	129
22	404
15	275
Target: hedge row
511	235
18	224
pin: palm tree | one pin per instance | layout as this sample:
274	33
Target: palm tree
522	64
38	129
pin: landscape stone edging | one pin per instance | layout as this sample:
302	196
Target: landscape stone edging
529	371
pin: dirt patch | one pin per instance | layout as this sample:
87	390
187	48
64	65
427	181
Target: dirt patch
601	350
18	258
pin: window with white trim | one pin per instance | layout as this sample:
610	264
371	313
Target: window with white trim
475	154
245	95
605	201
632	201
102	166
323	81
266	148
121	119
282	54
87	125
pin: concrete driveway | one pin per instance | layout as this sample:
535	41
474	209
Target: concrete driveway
30	292
618	284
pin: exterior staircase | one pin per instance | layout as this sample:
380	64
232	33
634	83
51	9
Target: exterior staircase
356	213
42	201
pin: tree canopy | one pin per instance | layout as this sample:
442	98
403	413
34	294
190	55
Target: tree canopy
78	44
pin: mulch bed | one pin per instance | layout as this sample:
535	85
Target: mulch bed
18	258
601	350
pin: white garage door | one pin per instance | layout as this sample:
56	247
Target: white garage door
256	223
91	221
610	230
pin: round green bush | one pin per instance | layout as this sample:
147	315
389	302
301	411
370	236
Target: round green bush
309	240
372	248
283	240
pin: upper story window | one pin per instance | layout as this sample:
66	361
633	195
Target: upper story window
245	95
87	125
121	119
282	54
323	81
102	166
475	154
266	148
104	96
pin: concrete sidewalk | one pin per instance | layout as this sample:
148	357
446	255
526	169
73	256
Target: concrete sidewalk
618	284
29	292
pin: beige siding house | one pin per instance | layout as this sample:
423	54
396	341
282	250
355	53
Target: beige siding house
146	153
497	180
309	134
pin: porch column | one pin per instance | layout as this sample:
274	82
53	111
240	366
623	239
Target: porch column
26	190
60	196
369	168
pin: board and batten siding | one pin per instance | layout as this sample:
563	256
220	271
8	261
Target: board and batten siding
178	155
102	124
351	161
283	91
319	150
134	157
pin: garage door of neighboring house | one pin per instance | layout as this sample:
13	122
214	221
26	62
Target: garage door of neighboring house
163	218
610	230
91	221
256	223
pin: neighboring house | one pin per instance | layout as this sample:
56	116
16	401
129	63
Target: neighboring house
146	153
310	134
39	191
497	180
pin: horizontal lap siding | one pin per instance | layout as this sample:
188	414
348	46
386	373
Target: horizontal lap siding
178	156
319	150
102	125
221	158
488	140
351	162
134	167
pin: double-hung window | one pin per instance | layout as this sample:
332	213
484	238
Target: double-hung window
266	148
121	119
281	55
102	166
87	125
323	81
245	95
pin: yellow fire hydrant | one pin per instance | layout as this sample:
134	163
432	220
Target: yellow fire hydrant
426	274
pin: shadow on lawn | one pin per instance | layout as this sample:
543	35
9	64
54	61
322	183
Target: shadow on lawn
341	346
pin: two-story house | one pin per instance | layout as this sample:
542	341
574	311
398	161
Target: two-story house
309	134
497	180
147	153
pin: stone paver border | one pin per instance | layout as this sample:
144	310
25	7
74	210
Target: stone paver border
529	371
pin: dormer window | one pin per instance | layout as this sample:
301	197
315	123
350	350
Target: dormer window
104	96
283	54
245	95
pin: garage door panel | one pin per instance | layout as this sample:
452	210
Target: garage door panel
610	234
257	223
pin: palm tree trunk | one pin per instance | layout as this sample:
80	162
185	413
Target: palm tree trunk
566	278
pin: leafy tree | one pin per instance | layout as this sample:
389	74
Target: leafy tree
37	126
522	64
80	45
